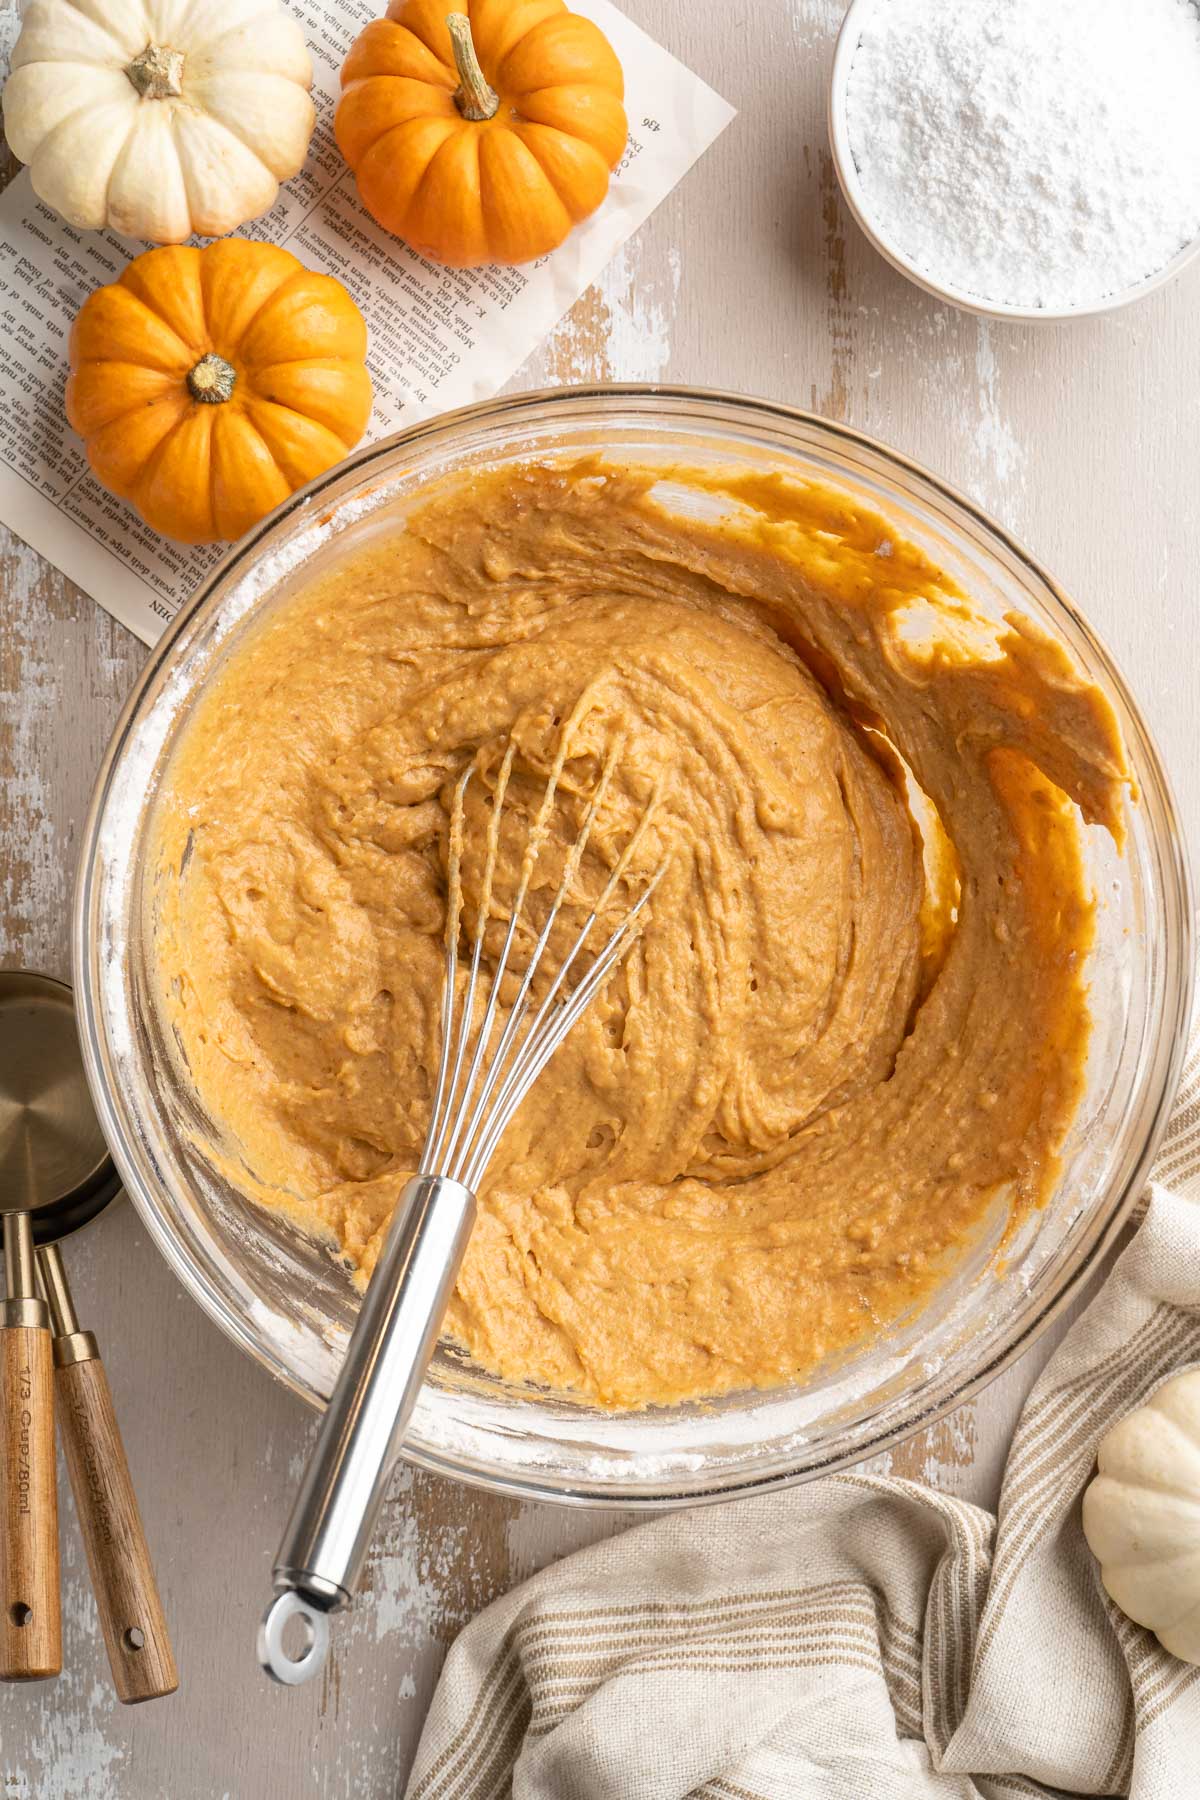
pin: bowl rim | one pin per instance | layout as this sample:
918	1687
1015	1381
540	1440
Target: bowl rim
844	50
615	1493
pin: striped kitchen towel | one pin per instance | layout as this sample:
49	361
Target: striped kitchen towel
860	1638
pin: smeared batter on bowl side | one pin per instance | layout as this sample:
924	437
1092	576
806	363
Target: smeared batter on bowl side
857	1015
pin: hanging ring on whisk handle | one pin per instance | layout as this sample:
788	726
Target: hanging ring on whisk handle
325	1544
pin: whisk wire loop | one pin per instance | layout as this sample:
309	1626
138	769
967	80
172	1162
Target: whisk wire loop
463	1140
471	1110
539	1046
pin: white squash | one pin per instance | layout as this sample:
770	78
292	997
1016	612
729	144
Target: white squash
159	118
1141	1515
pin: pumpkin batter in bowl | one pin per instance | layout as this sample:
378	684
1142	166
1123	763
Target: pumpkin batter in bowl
857	1013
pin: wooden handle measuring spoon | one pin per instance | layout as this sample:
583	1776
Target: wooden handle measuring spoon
127	1598
31	1618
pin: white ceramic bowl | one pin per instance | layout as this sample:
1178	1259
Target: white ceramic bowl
875	229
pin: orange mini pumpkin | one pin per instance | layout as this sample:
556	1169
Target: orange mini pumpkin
481	137
209	384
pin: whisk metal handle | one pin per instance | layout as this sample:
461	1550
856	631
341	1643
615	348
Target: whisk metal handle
324	1546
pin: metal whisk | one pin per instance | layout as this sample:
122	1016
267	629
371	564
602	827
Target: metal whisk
479	1087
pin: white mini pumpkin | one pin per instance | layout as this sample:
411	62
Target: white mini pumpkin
159	118
1141	1515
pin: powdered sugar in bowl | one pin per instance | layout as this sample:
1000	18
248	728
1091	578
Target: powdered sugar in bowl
1023	160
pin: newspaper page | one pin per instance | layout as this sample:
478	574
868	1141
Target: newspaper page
439	338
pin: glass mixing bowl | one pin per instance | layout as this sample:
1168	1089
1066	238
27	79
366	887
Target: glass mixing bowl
290	1305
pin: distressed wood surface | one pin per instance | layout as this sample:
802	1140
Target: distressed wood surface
1084	439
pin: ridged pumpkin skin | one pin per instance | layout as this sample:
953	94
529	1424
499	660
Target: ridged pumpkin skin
182	322
505	189
160	118
1141	1515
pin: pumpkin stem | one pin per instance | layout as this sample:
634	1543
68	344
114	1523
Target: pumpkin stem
157	73
212	380
476	99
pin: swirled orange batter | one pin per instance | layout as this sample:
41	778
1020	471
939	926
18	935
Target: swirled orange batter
857	1012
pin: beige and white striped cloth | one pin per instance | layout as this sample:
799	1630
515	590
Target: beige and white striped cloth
860	1638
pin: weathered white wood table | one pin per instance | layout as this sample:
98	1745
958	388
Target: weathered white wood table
1085	440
